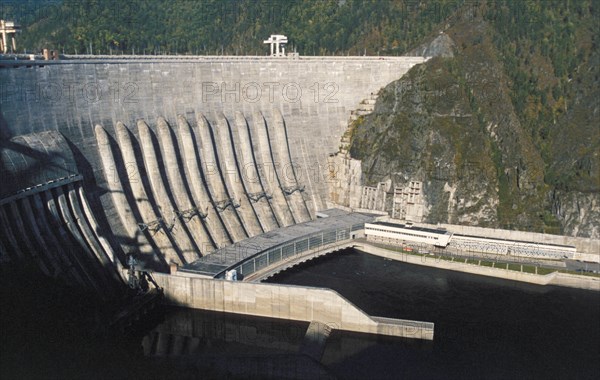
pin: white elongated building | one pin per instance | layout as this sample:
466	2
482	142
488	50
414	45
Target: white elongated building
384	232
400	234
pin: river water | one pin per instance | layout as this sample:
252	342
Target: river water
484	327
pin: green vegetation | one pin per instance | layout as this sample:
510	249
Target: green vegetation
315	27
546	48
446	258
544	271
516	267
529	269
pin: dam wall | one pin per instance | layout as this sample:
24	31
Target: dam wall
180	156
314	96
298	303
45	217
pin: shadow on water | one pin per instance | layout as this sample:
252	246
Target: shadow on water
232	346
51	330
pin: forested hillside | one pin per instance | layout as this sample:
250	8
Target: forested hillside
505	132
314	27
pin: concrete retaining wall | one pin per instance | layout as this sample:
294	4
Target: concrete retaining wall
560	279
285	302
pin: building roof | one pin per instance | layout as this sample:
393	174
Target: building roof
413	228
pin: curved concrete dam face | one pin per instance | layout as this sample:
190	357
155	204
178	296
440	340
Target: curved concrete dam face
169	158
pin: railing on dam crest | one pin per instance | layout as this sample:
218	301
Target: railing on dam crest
291	249
282	246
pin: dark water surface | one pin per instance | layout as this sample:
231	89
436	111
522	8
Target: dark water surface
484	327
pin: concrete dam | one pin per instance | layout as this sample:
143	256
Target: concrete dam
207	151
170	159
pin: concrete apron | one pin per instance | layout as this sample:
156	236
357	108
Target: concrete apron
289	302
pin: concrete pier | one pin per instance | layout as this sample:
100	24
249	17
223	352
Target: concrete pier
200	193
152	220
27	245
102	256
249	173
95	274
185	210
221	197
79	272
268	171
125	210
286	170
231	174
98	232
164	200
51	262
61	259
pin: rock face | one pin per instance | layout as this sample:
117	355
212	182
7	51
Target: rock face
453	124
579	212
431	135
440	46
